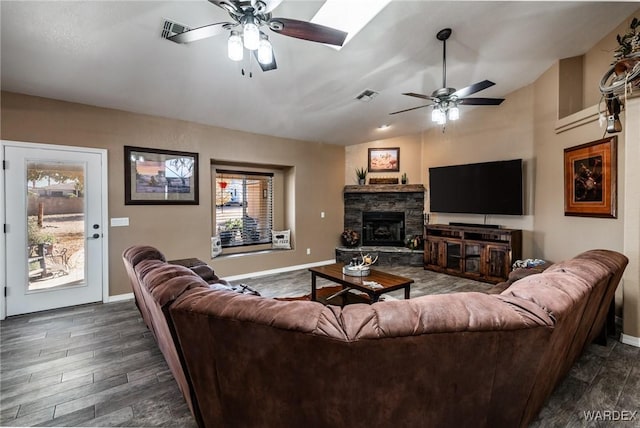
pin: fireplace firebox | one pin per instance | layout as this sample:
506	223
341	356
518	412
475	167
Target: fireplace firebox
383	228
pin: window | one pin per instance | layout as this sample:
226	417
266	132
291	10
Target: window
244	207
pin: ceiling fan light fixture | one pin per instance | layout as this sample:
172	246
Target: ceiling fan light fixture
454	113
438	116
265	50
251	34
235	49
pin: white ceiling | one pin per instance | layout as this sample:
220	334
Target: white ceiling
110	54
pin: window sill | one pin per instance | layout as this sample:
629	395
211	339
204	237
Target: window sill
250	253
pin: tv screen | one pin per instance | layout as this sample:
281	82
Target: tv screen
479	188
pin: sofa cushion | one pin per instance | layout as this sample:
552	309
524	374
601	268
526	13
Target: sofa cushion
392	358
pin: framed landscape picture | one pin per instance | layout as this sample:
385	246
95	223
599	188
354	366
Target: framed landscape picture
160	177
384	160
590	178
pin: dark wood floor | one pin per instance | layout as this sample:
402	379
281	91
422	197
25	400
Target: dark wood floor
97	365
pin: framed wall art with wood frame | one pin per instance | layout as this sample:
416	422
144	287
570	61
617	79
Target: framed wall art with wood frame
384	160
590	179
160	177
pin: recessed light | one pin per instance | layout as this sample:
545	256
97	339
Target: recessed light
384	127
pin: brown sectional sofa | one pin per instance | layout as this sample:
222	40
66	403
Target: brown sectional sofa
464	359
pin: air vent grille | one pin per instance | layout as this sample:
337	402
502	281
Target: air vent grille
170	28
366	95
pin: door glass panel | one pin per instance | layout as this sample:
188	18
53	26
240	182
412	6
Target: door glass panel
55	225
453	255
472	254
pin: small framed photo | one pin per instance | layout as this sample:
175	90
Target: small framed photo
160	177
590	178
384	160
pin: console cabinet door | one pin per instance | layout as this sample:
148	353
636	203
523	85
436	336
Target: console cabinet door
472	261
497	259
452	256
432	253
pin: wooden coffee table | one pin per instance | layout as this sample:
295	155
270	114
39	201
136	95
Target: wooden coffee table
333	272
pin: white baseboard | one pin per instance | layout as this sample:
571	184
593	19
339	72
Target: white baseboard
119	298
279	270
630	340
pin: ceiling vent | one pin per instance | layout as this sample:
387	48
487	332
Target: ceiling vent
170	28
367	95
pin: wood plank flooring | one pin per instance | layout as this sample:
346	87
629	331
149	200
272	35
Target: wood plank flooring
97	365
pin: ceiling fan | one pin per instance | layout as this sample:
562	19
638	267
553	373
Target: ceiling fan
445	101
248	19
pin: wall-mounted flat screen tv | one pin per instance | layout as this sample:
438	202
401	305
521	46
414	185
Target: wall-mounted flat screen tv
479	188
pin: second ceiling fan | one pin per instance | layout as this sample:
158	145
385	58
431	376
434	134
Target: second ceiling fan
445	101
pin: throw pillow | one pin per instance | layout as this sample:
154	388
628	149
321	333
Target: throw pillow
216	246
281	239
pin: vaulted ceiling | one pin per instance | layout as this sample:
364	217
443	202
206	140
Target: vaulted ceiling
111	54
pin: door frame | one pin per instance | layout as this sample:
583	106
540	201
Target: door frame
103	214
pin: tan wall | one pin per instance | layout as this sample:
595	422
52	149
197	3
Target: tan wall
410	158
184	231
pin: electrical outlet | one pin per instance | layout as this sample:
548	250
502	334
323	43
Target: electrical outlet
308	251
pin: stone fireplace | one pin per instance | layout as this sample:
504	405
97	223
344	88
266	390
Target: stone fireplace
384	215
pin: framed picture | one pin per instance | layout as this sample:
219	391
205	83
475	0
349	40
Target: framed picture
384	160
590	175
160	177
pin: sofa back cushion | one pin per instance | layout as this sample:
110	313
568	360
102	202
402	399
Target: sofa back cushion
131	257
430	361
574	292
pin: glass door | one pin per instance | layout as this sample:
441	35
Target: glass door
54	228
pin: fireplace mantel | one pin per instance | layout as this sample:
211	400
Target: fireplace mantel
384	188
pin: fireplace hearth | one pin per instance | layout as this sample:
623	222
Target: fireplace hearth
383	228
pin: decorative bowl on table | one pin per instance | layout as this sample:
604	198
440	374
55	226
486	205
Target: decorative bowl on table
356	270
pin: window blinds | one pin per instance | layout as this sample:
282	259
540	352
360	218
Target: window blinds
244	207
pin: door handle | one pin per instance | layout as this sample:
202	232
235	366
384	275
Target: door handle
94	236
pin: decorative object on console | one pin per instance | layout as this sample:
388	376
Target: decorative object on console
590	175
446	100
361	174
350	238
245	30
384	160
281	240
403	179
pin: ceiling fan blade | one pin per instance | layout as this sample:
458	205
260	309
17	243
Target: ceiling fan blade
200	33
409	109
424	97
266	67
307	31
472	89
480	101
